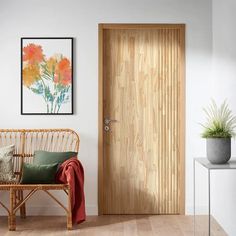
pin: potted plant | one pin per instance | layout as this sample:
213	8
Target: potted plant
218	131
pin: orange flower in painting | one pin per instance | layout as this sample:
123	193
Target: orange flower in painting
63	72
33	53
31	74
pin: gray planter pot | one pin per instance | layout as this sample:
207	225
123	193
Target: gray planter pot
218	150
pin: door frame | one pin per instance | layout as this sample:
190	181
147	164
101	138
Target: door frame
101	28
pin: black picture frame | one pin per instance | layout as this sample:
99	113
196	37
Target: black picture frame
71	39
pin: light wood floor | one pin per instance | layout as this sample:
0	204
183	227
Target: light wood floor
158	225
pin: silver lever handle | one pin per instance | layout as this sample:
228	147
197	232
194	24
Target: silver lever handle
107	121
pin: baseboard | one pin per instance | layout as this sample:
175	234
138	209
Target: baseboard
90	210
52	210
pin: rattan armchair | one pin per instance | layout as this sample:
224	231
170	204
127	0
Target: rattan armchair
26	142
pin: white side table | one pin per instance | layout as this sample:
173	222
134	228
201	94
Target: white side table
231	165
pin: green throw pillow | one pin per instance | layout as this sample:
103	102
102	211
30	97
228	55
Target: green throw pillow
39	174
45	158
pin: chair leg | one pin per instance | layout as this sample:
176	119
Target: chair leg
69	213
14	198
12	216
22	208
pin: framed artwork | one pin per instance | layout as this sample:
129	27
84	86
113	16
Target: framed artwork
46	76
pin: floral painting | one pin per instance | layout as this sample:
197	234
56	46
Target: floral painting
46	75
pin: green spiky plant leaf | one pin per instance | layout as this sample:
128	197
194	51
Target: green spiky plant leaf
220	121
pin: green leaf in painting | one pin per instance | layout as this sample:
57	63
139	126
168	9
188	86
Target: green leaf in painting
48	95
38	88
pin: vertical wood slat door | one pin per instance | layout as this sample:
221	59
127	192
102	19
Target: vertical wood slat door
143	89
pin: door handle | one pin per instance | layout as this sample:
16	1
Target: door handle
107	121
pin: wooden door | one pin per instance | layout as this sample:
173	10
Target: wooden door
141	164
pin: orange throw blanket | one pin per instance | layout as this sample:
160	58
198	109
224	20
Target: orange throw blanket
71	171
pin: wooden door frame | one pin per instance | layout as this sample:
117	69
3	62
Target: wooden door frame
101	28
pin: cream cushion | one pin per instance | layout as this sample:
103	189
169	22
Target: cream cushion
6	164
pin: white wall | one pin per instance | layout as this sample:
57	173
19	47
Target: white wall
80	19
223	86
